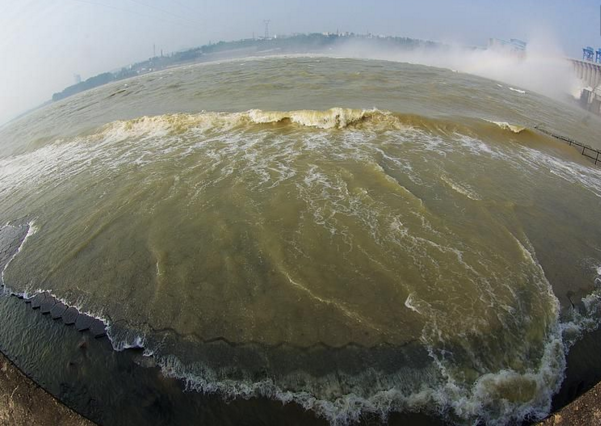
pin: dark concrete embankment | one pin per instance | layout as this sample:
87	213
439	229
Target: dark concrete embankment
22	402
586	410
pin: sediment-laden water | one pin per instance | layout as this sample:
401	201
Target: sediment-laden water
352	236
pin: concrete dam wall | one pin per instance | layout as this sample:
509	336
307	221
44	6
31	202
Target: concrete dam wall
590	74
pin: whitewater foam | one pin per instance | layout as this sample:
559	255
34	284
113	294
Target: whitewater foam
566	169
162	125
333	118
517	90
506	126
461	189
31	229
482	401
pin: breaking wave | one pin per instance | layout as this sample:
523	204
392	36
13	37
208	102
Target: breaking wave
334	118
506	126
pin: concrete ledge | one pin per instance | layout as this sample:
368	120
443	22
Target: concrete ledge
586	410
24	403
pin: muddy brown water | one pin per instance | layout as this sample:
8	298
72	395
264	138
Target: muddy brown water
357	238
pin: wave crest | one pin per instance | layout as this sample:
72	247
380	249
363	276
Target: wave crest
332	118
169	124
506	126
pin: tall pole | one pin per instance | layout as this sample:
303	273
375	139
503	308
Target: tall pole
266	22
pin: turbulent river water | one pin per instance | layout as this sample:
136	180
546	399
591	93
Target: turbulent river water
352	236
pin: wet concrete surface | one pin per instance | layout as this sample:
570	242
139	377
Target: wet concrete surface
22	402
586	410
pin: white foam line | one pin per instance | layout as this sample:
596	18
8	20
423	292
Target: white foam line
506	126
30	231
138	341
350	314
409	304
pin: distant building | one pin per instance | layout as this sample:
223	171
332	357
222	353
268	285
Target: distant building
77	78
588	54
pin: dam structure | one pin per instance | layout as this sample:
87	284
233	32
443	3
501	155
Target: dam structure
590	74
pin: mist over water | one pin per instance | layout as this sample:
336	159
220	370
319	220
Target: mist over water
354	236
542	68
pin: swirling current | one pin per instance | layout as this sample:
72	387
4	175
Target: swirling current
373	256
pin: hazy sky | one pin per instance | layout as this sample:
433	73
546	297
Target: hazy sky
43	43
